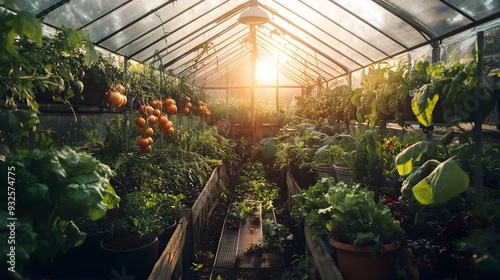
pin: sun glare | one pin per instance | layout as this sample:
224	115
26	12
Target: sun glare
265	73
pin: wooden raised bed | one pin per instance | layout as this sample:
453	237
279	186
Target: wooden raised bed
179	253
322	260
169	265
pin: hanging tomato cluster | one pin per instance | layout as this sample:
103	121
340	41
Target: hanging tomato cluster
187	107
115	97
151	115
169	106
202	109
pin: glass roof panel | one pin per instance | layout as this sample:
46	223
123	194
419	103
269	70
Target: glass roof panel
315	43
435	15
287	57
318	30
324	38
147	24
214	35
76	14
371	41
477	9
179	28
363	16
36	6
231	44
296	49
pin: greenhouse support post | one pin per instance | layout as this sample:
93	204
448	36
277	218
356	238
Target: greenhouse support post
126	114
277	93
227	95
477	129
252	75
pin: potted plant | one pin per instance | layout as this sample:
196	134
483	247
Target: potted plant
363	232
389	93
343	156
134	233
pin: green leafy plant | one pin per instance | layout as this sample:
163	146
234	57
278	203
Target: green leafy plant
353	217
146	213
57	187
307	205
165	170
461	94
333	104
276	234
239	211
433	181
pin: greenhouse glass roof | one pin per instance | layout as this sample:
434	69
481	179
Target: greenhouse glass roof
306	39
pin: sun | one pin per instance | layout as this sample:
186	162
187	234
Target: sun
265	73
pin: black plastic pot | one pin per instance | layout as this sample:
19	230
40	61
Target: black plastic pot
137	262
164	238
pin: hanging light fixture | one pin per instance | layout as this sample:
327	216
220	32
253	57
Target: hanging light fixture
253	15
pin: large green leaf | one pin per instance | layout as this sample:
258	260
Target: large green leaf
446	181
423	104
418	175
405	159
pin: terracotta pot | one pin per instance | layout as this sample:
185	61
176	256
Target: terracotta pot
358	262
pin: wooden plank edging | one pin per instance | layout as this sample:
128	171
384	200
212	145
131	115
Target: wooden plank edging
293	188
169	259
322	259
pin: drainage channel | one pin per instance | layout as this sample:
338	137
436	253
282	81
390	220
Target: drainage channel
234	260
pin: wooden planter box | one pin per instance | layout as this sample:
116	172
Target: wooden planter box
179	253
322	260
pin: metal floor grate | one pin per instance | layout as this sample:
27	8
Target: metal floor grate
231	261
249	273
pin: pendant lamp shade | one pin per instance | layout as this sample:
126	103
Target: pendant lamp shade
253	15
